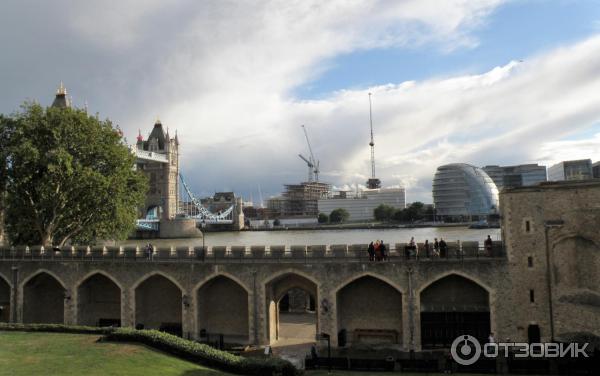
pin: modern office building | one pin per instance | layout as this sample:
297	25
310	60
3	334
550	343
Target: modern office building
516	176
596	170
464	192
580	169
361	206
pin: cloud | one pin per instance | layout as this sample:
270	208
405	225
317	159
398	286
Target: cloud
223	74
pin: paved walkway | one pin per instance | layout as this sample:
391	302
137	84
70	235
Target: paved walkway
296	334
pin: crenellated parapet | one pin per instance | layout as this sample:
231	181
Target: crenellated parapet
397	252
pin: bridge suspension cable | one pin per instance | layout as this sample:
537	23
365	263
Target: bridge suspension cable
201	213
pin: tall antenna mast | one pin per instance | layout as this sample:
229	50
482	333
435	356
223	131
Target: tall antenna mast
373	182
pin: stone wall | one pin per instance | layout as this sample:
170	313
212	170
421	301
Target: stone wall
175	295
555	222
553	244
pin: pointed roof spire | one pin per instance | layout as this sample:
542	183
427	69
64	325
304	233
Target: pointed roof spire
61	100
139	137
62	90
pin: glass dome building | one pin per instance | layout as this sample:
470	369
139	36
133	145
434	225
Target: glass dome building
462	191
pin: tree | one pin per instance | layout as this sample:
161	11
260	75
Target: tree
339	215
384	212
323	218
69	176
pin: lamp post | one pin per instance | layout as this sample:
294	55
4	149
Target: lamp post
203	225
556	223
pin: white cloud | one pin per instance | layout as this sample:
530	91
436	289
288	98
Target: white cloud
223	73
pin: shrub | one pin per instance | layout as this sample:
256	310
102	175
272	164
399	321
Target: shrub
323	218
205	354
57	328
339	215
177	346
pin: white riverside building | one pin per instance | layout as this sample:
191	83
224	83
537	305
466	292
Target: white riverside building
361	206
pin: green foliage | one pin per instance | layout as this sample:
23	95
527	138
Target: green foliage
57	328
205	354
417	211
65	354
69	176
177	346
339	215
323	218
384	212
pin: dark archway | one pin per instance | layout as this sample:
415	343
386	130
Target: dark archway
369	310
158	304
99	302
453	306
292	317
223	310
43	300
4	301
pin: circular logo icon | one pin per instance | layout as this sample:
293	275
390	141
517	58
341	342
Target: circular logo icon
465	350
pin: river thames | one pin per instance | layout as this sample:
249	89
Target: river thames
314	237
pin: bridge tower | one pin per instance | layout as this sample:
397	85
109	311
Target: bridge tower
162	197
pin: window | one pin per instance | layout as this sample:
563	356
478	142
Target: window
527	226
530	262
531	296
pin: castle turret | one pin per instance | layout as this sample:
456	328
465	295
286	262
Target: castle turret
61	100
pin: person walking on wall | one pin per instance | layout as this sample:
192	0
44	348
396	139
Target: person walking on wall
371	251
488	245
382	249
443	248
436	247
426	249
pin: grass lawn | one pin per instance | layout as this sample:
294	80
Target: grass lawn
23	353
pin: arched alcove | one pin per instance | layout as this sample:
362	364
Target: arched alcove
98	302
453	306
369	310
158	302
43	300
223	310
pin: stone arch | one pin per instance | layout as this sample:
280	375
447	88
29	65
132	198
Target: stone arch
452	304
576	261
298	325
46	271
44	298
222	308
223	274
369	308
154	273
157	301
5	298
369	274
98	299
460	274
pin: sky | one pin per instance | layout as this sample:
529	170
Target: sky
472	81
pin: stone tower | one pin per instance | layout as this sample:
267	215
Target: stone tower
163	177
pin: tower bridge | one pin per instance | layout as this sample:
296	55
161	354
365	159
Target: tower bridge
171	210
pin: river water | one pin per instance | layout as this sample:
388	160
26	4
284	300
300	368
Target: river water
314	237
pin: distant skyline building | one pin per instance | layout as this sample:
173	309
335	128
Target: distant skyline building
464	192
361	206
580	169
596	170
517	175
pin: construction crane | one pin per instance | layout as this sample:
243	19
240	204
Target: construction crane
373	182
312	162
310	168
